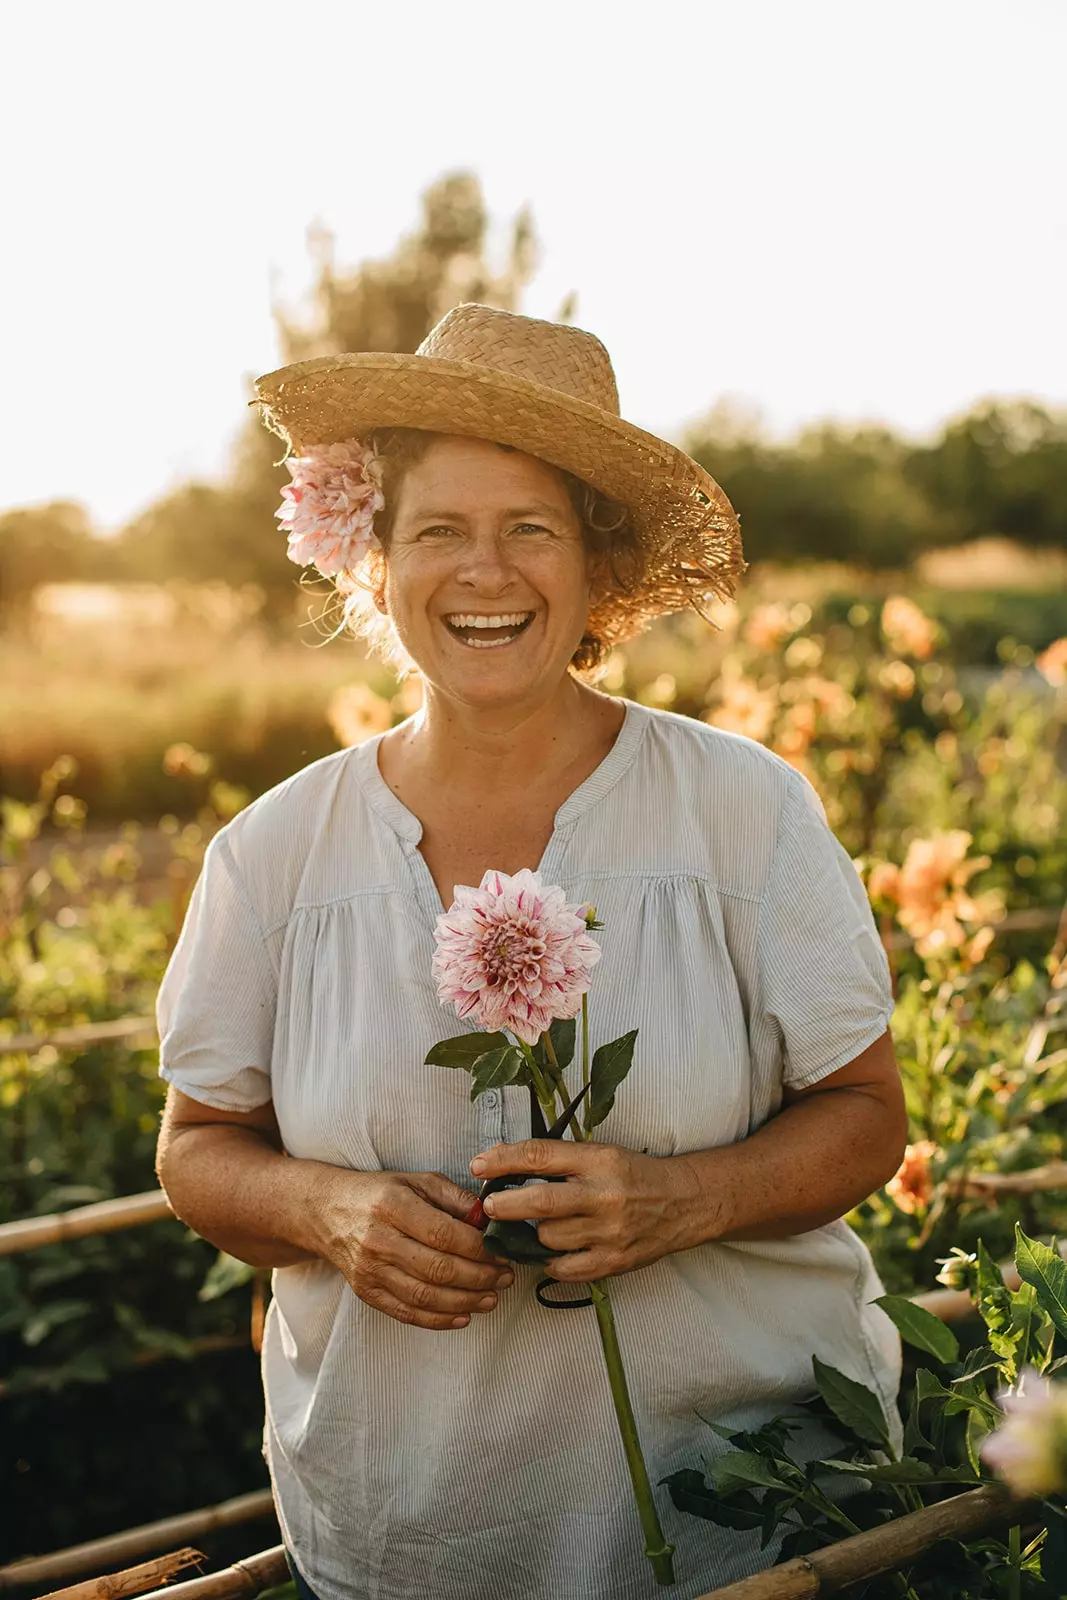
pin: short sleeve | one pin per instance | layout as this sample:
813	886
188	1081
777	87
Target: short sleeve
215	1008
824	975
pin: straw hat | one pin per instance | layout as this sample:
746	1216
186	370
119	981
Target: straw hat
545	388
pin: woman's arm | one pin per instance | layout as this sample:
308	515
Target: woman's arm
396	1237
226	1175
827	1149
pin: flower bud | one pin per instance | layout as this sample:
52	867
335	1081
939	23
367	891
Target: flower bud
958	1270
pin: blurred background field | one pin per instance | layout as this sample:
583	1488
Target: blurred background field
900	637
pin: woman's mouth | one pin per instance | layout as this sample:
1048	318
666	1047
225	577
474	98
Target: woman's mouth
483	631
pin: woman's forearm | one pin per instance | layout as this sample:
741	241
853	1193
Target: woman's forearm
235	1190
807	1166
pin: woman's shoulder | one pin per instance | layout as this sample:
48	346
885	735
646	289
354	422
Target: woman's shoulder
273	838
712	762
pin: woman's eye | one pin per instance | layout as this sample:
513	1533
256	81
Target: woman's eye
436	533
531	527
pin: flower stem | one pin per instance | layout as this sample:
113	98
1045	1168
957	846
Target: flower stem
658	1551
545	1093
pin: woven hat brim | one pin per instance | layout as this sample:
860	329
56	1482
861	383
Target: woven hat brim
689	531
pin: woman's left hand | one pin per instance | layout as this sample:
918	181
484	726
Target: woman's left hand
616	1211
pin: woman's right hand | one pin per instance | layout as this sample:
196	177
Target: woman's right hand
398	1239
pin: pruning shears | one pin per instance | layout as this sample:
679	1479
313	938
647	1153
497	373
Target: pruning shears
476	1217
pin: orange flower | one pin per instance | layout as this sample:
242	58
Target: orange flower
744	709
768	626
1052	663
356	712
907	630
912	1188
930	894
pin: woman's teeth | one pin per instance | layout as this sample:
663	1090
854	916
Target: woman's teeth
495	630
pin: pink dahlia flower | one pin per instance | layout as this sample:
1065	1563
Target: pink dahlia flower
513	954
329	506
1029	1449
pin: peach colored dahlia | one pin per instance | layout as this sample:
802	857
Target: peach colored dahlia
513	954
329	506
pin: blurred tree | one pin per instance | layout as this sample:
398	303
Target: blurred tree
228	531
51	543
833	493
1001	469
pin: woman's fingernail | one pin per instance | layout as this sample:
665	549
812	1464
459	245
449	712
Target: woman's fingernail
478	1165
489	1206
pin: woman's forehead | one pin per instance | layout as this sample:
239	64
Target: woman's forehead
470	472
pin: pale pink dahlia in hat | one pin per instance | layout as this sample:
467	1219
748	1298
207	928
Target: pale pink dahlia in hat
330	504
513	954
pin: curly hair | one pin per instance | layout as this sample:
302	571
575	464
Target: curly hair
608	534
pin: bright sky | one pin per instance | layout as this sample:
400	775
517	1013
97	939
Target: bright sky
836	208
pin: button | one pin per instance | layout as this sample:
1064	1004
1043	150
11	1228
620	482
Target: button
491	1099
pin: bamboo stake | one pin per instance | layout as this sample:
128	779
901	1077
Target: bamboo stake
133	1580
248	1577
104	1217
73	1038
211	1342
883	1549
1034	1181
137	1541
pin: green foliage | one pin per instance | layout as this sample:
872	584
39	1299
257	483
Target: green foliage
862	494
760	1482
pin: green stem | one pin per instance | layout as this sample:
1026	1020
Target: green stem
585	1041
658	1551
1015	1556
545	1094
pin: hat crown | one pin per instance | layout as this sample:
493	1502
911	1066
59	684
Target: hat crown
549	353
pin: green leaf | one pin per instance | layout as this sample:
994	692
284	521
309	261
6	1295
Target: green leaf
691	1494
497	1067
921	1328
224	1274
743	1469
1042	1267
516	1241
609	1067
464	1050
858	1408
978	1426
562	1033
41	1324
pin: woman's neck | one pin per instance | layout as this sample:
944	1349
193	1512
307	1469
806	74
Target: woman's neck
458	745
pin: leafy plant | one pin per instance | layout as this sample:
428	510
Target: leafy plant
799	1505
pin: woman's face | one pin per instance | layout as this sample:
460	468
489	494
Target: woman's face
487	576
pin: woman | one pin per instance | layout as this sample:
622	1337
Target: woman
503	545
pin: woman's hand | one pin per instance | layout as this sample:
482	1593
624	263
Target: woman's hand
616	1211
398	1240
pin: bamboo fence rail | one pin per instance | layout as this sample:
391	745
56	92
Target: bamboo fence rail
865	1555
79	1558
248	1577
210	1343
132	1580
75	1038
106	1216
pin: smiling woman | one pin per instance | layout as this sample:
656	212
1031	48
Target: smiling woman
607	530
427	1425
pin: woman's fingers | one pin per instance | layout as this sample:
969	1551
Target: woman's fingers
441	1192
431	1300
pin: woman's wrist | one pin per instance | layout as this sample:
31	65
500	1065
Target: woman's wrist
701	1179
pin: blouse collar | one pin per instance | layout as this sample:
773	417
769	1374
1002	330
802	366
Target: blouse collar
588	793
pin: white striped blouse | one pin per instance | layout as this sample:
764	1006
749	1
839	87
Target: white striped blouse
485	1463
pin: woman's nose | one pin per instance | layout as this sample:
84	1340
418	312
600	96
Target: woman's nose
486	564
